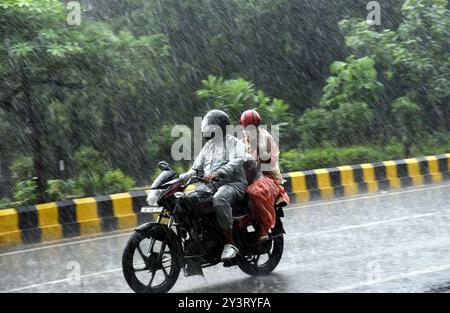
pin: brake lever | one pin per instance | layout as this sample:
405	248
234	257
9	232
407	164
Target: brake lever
194	180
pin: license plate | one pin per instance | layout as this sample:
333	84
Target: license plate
149	209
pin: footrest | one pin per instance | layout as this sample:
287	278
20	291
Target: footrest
230	263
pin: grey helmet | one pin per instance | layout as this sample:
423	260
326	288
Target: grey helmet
214	119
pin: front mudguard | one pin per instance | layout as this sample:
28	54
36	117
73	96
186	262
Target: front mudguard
163	233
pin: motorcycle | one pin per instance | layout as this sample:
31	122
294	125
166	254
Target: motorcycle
157	251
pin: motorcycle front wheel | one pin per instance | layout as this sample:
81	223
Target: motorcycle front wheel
149	264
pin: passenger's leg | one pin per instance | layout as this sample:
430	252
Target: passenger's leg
262	196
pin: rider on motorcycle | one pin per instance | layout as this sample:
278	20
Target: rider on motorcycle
222	162
267	189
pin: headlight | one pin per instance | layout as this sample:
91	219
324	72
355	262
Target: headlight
153	196
178	194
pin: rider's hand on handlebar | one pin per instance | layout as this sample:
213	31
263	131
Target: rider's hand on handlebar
209	178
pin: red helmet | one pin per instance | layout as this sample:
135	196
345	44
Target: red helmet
250	117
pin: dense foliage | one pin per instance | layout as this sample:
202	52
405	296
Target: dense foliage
88	109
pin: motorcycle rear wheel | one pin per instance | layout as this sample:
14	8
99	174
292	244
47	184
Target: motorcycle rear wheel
249	264
153	262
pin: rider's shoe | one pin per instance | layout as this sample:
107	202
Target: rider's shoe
229	252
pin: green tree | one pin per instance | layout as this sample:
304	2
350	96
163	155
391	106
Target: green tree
40	52
58	189
90	167
9	147
408	122
414	58
116	181
26	192
4	203
346	113
133	66
352	81
237	95
316	127
95	176
22	169
159	144
159	148
353	123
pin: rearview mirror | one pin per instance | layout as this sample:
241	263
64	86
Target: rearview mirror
163	166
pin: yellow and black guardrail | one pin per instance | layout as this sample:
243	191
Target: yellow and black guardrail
366	178
71	218
89	216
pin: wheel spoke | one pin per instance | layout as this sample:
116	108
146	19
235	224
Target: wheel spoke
142	253
151	280
157	259
152	244
161	252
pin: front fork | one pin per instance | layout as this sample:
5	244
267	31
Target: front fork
152	240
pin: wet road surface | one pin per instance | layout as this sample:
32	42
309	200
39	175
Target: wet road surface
398	241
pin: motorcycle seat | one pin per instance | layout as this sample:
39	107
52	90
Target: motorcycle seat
240	208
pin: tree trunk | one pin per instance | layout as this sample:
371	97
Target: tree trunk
5	177
35	128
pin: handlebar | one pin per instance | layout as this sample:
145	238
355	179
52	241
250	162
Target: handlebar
199	179
196	179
